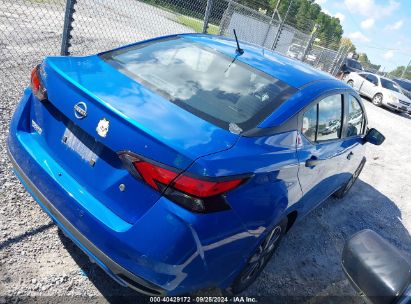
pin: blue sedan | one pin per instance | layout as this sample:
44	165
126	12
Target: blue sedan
179	163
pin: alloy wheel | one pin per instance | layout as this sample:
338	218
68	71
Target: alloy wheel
261	256
377	100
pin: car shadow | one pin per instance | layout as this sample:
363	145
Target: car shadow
310	254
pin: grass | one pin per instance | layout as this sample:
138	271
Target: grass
197	24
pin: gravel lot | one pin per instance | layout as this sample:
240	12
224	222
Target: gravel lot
36	260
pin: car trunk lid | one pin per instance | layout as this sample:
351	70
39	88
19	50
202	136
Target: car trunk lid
94	112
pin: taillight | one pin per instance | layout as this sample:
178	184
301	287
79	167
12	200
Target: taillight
37	86
195	194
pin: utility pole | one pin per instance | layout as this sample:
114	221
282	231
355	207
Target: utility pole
207	15
406	68
311	41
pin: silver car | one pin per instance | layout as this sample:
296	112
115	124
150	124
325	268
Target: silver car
297	51
381	90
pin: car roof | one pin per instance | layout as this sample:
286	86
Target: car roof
385	78
369	73
402	79
290	71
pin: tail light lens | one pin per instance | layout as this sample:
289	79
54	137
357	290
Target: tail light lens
192	193
37	86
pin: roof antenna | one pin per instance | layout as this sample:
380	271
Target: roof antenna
239	50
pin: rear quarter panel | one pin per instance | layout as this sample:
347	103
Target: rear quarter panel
273	186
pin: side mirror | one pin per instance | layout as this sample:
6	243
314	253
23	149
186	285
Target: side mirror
374	137
376	269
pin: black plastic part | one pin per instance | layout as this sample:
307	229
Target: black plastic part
239	50
198	205
374	137
375	268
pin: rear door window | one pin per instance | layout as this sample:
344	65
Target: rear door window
309	128
390	85
373	79
203	81
356	118
329	118
323	121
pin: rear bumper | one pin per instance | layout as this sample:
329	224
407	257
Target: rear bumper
114	270
168	250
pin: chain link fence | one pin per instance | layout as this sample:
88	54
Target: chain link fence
32	29
29	30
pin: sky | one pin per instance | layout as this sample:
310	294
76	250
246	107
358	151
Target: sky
379	28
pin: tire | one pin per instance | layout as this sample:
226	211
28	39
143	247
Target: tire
350	83
259	258
342	192
377	100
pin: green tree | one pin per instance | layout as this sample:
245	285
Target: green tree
304	14
313	11
366	63
303	18
344	42
397	72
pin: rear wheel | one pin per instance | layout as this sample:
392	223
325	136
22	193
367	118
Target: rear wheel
342	192
350	83
377	100
259	258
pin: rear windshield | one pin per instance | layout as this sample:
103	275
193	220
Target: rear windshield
207	83
390	85
354	64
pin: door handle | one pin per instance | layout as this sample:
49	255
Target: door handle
350	155
312	162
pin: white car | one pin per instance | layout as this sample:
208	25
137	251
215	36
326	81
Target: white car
381	90
296	51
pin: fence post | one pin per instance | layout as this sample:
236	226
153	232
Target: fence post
280	27
340	62
67	27
335	61
271	21
224	19
207	15
340	59
311	41
317	64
